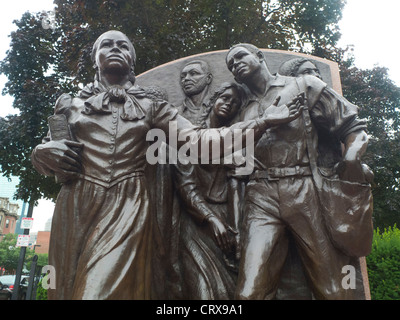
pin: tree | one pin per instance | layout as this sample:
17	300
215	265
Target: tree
185	27
35	88
9	253
379	100
43	260
42	63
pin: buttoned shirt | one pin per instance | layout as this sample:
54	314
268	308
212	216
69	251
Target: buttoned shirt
114	149
285	145
191	112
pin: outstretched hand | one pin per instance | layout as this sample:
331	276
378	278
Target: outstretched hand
285	113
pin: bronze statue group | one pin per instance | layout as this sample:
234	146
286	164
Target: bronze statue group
222	235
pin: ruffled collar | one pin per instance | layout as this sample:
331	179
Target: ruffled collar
98	99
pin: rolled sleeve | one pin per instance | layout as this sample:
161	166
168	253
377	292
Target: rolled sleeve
334	114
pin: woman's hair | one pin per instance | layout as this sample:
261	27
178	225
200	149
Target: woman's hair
220	90
291	67
131	49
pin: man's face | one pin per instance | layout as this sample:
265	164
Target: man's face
113	53
308	68
242	63
194	79
227	104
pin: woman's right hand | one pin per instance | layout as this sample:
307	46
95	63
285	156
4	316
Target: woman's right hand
220	233
60	157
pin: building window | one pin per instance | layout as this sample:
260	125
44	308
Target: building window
7	223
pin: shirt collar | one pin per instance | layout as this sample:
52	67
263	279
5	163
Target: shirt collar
277	81
187	104
98	99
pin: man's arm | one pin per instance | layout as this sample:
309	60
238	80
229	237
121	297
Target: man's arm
350	168
336	116
164	114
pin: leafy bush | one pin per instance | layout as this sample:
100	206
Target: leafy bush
41	293
384	265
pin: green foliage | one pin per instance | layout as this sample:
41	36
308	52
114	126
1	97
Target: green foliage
165	30
41	293
35	86
384	265
9	254
43	260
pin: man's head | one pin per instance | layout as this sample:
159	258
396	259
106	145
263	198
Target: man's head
195	77
298	67
243	60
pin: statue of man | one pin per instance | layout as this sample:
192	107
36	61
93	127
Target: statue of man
195	80
281	196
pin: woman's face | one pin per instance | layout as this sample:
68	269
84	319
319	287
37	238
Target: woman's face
227	104
113	53
308	68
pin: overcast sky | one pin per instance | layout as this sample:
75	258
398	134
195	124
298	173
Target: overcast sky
371	26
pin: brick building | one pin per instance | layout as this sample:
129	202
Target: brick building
8	216
42	242
8	186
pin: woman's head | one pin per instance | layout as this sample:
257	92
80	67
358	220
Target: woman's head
298	67
113	52
227	100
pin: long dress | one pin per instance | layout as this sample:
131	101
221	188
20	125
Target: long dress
102	231
101	241
206	271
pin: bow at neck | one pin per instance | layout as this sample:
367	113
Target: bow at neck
98	100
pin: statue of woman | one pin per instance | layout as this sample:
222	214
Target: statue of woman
101	240
207	229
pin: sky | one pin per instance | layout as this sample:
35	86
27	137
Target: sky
370	26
